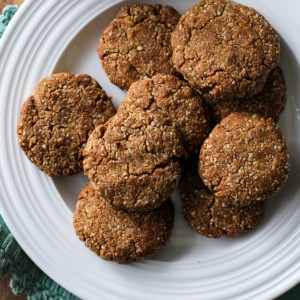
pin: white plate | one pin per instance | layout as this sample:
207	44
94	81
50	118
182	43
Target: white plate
51	36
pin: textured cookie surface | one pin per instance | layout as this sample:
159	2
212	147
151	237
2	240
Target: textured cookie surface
119	236
132	161
224	49
208	215
57	119
136	44
268	103
183	106
244	159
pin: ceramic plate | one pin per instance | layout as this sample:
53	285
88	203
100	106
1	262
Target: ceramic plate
51	36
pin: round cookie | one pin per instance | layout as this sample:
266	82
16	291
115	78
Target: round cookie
119	236
136	44
244	159
175	97
269	103
224	49
208	215
57	119
133	159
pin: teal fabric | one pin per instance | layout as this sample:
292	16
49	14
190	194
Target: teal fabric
8	13
293	294
27	278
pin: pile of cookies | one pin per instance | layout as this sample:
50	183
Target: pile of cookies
242	163
134	161
230	54
204	91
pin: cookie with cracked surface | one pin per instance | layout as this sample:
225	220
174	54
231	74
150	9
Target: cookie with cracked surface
136	44
208	215
224	49
175	97
57	119
269	103
133	160
117	235
244	159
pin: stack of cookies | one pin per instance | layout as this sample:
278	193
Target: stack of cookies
230	54
242	163
134	161
204	91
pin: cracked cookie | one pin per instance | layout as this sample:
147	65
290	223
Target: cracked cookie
136	44
183	106
133	159
269	103
224	49
57	119
119	236
244	159
208	215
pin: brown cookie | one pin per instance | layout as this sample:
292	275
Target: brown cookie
57	119
269	103
183	106
132	160
224	49
244	159
208	215
136	44
119	236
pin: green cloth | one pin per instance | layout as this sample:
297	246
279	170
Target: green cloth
27	278
8	13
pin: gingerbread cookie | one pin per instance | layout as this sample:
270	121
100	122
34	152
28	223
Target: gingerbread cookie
208	215
118	236
175	97
244	159
136	44
225	49
56	120
269	103
133	160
